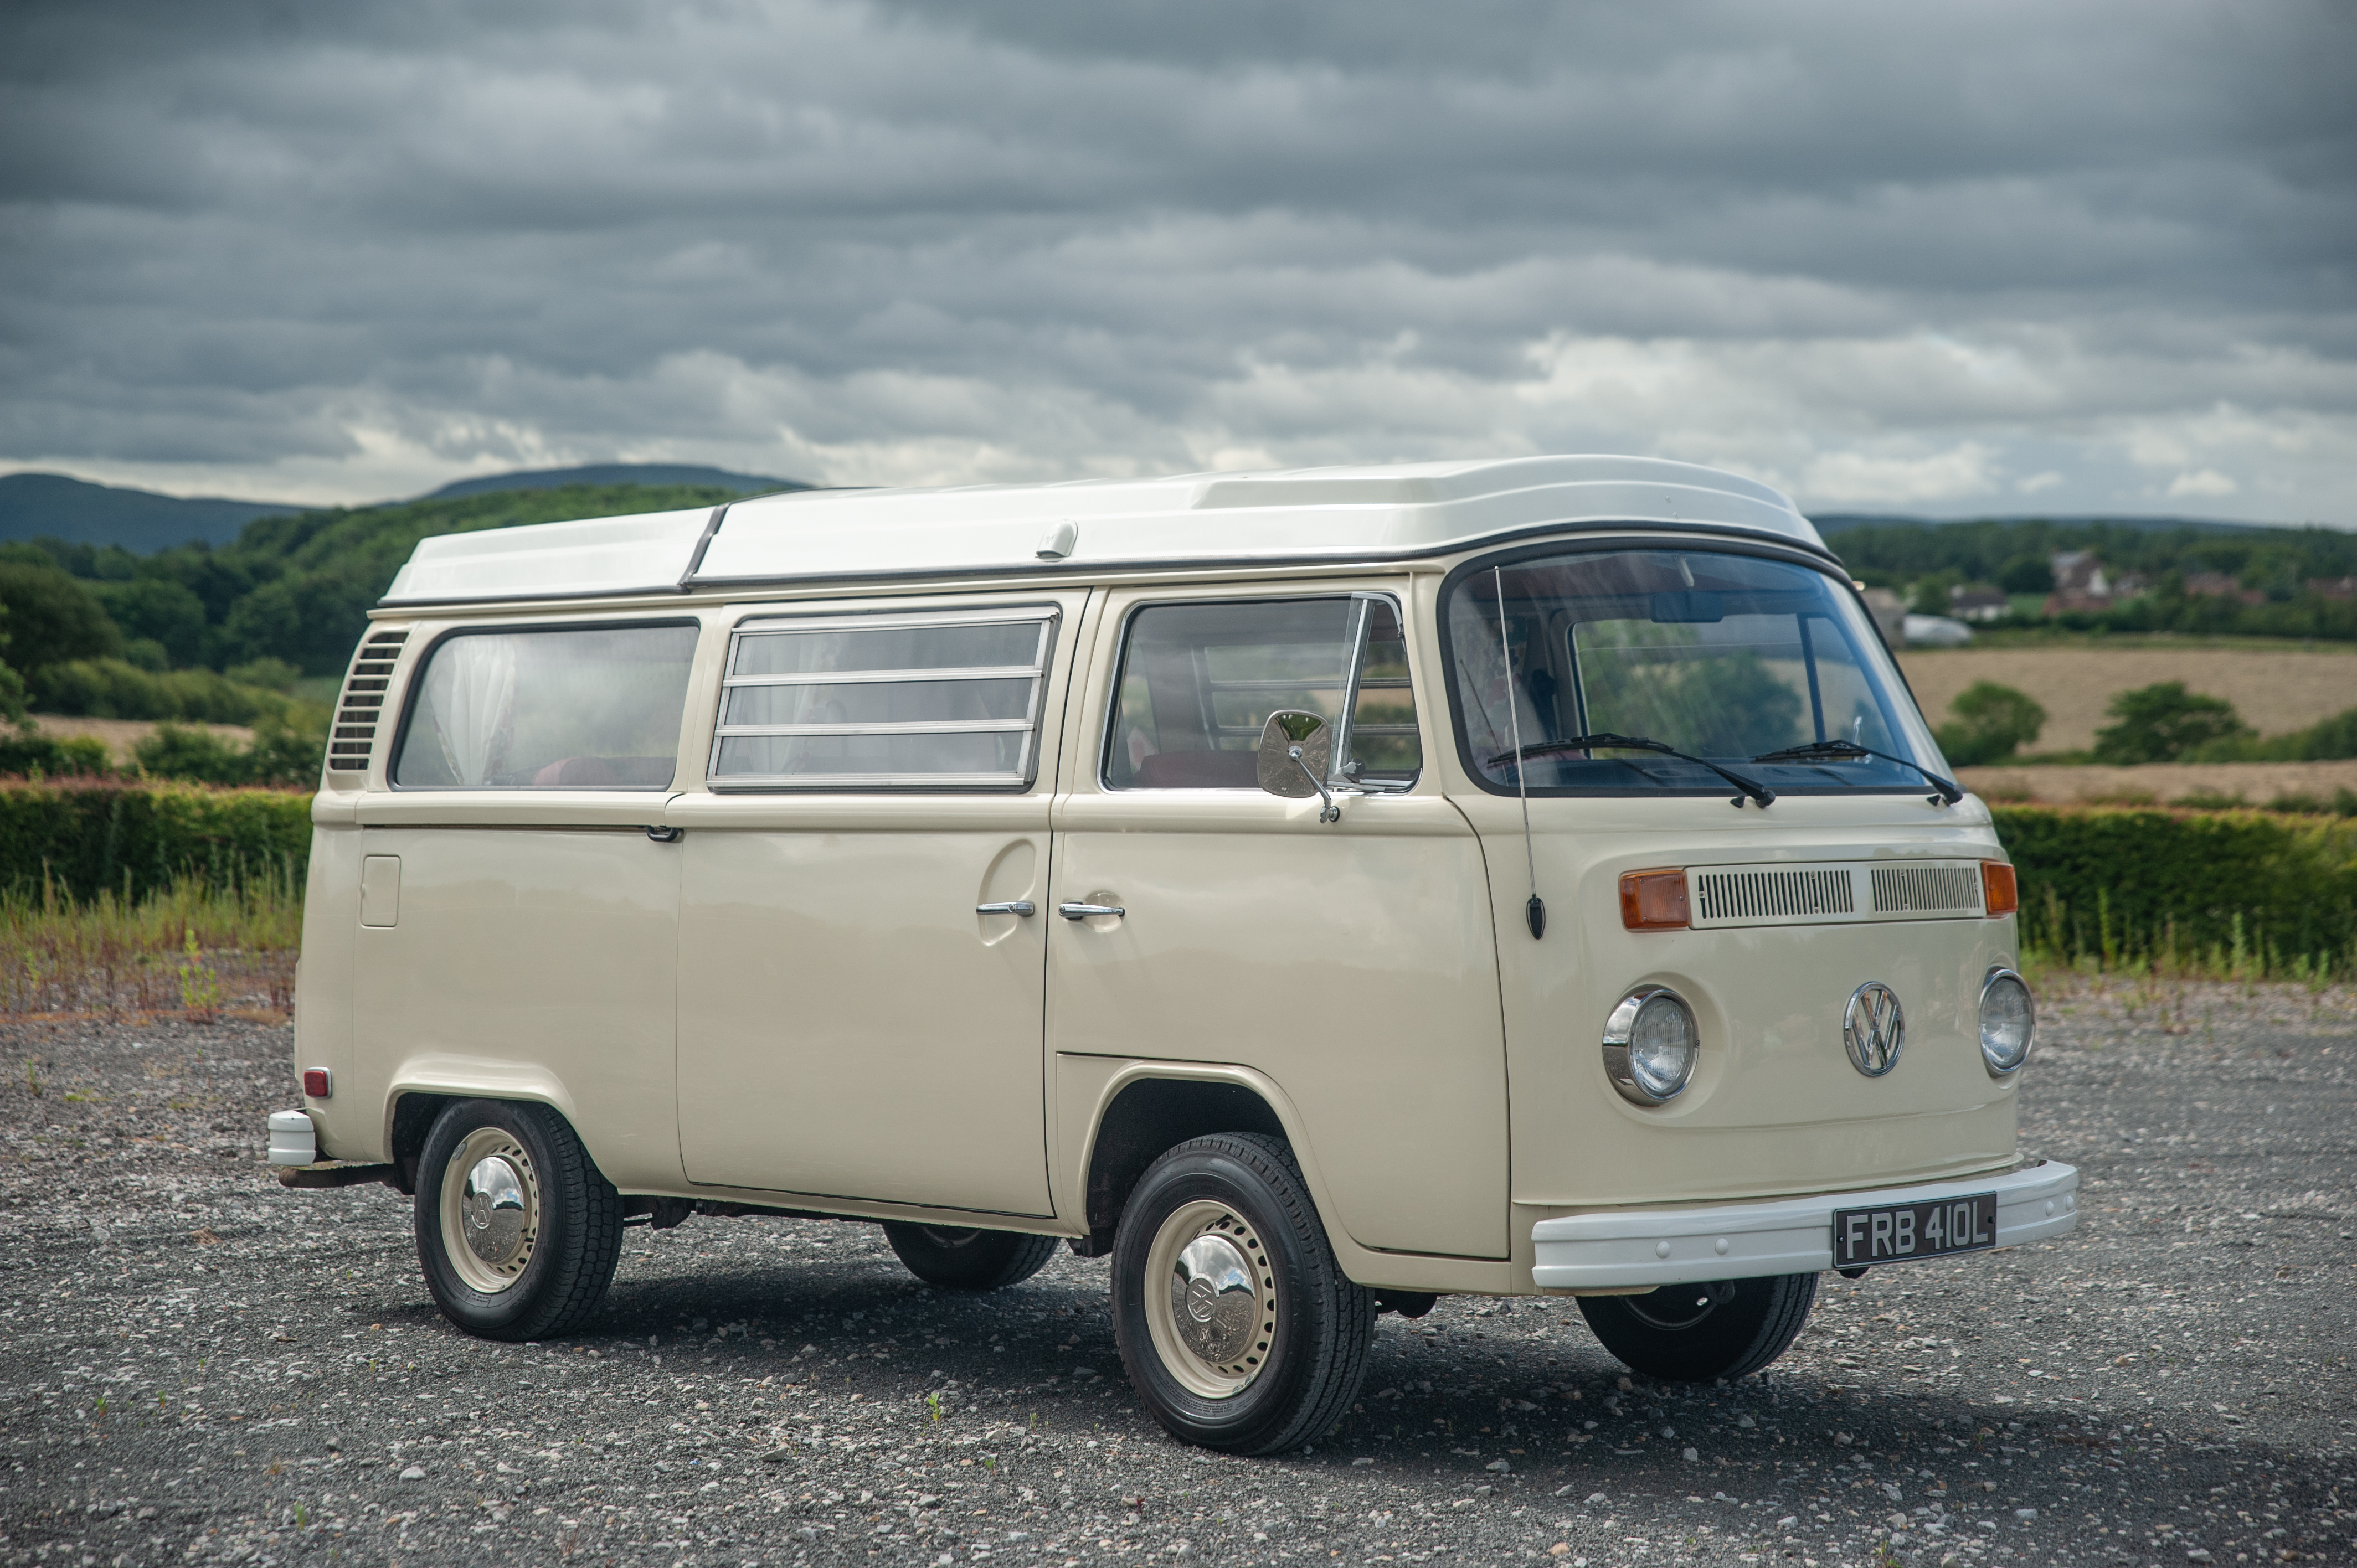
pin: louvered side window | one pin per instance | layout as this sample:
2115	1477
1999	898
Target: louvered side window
944	701
361	706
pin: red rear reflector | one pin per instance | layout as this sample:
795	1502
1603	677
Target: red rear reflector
316	1083
1999	892
1653	900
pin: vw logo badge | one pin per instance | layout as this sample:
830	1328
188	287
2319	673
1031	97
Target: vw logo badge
1874	1028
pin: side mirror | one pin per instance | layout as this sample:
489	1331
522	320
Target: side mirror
1297	750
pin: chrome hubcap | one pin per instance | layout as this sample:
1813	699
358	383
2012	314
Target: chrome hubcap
490	1210
1211	1300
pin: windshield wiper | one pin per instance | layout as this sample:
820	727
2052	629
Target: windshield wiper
1757	792
1850	751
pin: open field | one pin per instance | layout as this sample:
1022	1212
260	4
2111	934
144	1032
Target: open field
2256	783
200	1367
122	735
2274	690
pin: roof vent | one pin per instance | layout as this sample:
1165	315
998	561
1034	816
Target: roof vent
1058	540
354	735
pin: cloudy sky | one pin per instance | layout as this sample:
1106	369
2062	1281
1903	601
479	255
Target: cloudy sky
1949	259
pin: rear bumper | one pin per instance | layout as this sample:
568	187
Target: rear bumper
1627	1247
294	1140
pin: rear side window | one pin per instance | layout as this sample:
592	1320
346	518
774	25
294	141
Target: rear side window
576	708
946	701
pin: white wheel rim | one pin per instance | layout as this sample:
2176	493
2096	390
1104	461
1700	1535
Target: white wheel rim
1211	1300
490	1210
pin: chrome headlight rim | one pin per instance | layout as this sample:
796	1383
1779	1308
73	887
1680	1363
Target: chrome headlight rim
1989	981
1620	1029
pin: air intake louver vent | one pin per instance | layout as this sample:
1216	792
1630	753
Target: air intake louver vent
354	736
1831	893
1772	895
1927	889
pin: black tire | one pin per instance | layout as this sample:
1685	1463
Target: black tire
569	1234
1298	1352
1697	1334
958	1258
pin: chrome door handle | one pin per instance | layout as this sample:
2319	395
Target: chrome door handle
1023	906
1089	911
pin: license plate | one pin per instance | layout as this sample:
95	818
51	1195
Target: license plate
1905	1231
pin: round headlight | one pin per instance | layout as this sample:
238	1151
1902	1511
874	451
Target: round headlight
1650	1045
2009	1022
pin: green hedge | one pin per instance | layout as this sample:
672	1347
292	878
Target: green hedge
80	835
2254	891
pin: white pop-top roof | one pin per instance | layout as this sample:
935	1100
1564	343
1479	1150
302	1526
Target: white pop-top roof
1386	511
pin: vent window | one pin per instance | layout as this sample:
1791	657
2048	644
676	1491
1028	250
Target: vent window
353	739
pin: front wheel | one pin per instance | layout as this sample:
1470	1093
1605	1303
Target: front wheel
1237	1326
956	1258
1697	1334
518	1232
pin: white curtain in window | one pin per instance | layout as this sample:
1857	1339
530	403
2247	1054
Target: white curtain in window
471	691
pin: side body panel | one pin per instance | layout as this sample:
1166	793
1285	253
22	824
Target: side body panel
530	956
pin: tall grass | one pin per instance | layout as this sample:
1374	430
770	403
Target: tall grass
196	949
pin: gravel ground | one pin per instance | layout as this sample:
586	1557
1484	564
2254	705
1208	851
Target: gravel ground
199	1365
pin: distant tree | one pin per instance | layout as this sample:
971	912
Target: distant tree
2025	574
1991	723
1931	596
2161	723
157	608
52	618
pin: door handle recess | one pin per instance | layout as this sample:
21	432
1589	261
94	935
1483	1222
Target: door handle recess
1023	906
666	836
1089	911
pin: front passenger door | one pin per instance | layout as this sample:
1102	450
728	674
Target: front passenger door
1353	962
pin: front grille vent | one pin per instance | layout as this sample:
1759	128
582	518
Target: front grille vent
1927	890
354	735
1747	895
1832	892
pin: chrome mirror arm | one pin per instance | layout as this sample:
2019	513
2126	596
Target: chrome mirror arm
1327	811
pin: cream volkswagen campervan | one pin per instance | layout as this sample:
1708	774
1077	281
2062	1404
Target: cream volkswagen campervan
1315	891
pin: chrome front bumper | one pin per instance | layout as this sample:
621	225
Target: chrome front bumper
1628	1248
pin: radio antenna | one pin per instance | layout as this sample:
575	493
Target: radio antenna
1534	912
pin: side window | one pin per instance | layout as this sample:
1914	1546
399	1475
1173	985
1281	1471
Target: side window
580	708
1197	682
944	701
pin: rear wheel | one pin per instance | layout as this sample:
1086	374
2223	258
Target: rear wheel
518	1232
956	1258
1696	1334
1238	1329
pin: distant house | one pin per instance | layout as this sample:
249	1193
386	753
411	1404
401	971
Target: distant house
2331	588
2219	585
2080	582
1980	604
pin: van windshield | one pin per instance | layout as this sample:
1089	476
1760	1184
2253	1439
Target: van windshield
1727	657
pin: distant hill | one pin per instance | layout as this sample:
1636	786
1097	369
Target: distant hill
75	511
56	506
615	474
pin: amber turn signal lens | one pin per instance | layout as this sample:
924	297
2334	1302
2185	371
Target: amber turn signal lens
1653	900
1999	894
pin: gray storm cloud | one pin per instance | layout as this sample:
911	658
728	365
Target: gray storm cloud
1992	258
